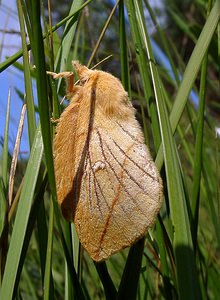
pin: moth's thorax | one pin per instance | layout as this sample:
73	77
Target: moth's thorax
107	92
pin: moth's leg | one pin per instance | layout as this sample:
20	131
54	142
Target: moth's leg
54	121
69	77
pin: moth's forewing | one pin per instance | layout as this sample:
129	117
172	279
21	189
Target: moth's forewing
106	179
70	144
121	190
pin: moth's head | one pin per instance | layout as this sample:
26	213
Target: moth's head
109	93
96	77
82	71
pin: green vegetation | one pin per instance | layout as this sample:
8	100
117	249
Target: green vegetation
40	256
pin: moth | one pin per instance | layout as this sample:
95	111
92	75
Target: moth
107	182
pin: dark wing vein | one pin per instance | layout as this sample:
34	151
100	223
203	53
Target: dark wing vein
118	179
134	162
124	169
96	184
127	132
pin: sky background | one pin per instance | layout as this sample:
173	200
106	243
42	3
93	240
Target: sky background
10	78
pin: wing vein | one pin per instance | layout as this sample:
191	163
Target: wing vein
115	174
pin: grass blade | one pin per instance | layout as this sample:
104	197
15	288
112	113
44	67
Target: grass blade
48	290
67	40
142	65
42	90
15	156
5	152
10	60
27	79
130	277
191	71
182	241
21	219
110	291
102	34
125	75
198	153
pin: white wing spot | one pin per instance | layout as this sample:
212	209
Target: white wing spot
99	165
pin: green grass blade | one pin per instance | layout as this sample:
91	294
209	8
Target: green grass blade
212	201
26	18
195	201
67	40
182	242
29	287
182	24
110	291
78	292
5	151
217	160
164	260
39	191
3	207
48	290
27	79
125	74
102	34
164	41
218	39
192	70
21	219
129	281
142	65
10	60
42	91
42	230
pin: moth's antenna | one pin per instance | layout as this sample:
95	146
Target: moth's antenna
101	61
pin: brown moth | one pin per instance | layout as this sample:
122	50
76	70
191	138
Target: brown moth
107	182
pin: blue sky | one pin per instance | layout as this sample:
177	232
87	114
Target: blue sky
11	78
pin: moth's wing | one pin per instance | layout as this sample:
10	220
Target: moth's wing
69	151
121	189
